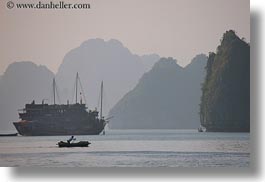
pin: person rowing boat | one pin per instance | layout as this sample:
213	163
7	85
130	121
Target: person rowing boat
71	139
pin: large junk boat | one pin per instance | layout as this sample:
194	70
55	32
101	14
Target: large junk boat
60	119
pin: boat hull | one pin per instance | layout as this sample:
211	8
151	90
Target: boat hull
50	129
8	135
78	144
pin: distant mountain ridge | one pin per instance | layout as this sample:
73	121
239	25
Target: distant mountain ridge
21	83
167	97
149	60
94	59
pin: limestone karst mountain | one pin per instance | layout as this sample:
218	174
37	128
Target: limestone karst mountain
97	60
225	102
167	97
22	83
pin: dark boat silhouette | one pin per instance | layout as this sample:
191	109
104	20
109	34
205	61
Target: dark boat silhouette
76	144
60	119
7	135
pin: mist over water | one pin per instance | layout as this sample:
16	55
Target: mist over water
131	148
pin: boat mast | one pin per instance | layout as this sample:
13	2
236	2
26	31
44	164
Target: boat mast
101	99
76	87
53	85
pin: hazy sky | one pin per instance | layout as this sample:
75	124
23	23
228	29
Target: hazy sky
176	28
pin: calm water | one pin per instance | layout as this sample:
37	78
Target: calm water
131	148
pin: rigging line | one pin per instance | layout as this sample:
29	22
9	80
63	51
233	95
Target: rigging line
51	96
98	98
73	93
82	90
76	82
105	100
57	93
101	100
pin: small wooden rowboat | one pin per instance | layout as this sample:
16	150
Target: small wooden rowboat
76	144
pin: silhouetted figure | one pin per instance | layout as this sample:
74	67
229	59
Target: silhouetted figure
70	139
